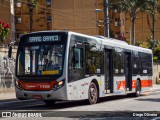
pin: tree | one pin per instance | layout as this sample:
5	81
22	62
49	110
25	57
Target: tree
156	53
132	7
153	7
152	43
32	4
4	30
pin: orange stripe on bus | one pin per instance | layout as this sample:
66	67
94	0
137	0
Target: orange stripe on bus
133	83
146	83
121	85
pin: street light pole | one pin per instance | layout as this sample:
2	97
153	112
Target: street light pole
106	19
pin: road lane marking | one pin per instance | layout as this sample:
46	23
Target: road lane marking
156	118
128	99
68	109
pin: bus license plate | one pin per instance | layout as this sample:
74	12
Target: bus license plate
37	97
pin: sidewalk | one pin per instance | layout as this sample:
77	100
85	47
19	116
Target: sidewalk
7	96
156	87
11	95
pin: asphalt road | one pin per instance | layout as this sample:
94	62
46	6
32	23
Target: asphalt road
120	107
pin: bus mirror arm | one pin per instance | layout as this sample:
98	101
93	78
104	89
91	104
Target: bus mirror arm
74	59
10	52
10	48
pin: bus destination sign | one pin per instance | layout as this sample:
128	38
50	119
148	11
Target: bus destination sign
52	38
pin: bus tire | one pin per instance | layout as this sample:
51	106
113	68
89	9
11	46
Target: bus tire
49	102
93	93
138	89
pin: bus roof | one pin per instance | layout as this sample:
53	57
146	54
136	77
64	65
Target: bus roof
102	40
115	43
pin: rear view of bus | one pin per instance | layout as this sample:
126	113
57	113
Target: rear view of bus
40	66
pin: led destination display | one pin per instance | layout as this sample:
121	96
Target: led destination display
44	38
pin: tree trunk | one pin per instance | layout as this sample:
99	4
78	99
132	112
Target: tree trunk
133	39
153	27
31	18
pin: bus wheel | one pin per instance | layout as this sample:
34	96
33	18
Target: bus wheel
49	102
93	94
138	89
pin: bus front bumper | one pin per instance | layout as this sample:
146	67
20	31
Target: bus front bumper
44	95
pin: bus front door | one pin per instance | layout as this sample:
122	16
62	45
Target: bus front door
108	70
128	71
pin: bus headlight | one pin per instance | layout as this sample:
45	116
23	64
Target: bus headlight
18	85
58	85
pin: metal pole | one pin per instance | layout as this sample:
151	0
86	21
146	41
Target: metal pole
106	19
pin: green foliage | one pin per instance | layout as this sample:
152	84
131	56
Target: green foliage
156	52
154	45
132	7
152	7
138	43
144	44
33	3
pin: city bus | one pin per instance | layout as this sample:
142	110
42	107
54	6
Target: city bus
65	65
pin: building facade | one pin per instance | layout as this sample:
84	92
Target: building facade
7	15
81	16
75	15
41	17
143	26
120	24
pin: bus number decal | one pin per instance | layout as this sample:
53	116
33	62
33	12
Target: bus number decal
44	86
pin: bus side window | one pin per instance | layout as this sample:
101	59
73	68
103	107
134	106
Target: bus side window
146	60
136	63
118	63
93	60
77	57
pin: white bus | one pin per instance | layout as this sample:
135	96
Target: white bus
64	65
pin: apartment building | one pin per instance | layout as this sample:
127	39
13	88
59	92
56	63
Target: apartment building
120	24
7	15
74	15
143	27
80	16
41	17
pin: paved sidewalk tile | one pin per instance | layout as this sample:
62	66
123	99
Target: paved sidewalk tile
6	96
156	87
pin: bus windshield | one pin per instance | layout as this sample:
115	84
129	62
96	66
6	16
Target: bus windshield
40	60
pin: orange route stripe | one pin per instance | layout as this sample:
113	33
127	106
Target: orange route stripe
37	85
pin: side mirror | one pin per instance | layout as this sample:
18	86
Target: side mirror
10	52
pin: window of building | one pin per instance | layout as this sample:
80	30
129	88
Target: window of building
18	20
48	2
49	18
